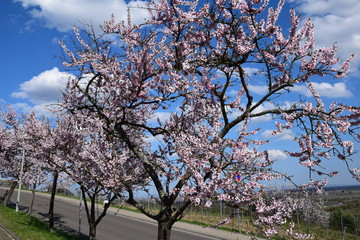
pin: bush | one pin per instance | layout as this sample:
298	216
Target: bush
339	219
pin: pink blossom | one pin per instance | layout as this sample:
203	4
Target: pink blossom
191	59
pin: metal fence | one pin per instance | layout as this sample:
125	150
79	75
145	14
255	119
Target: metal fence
241	220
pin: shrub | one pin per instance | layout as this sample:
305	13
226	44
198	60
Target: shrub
340	219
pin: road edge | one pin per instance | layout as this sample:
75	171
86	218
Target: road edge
8	232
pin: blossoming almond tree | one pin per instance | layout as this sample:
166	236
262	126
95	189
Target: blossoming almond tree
9	151
191	61
40	143
66	149
82	154
13	144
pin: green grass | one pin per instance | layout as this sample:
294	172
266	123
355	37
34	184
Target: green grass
27	227
210	226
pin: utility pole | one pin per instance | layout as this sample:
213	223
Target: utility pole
80	211
20	181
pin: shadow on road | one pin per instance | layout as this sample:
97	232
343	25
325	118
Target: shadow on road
59	223
73	232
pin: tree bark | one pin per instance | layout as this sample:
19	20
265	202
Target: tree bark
32	199
93	219
165	222
92	232
52	199
9	193
164	230
90	213
92	225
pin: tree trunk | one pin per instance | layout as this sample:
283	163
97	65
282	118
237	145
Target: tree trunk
164	230
9	193
298	221
92	222
92	232
165	223
90	213
32	199
52	199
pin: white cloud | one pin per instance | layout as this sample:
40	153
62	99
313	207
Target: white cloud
261	90
325	90
234	113
327	7
40	109
251	70
161	116
263	107
288	104
44	88
276	154
335	21
158	140
64	14
286	134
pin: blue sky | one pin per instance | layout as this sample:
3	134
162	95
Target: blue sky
32	74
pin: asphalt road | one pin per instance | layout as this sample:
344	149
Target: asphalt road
113	226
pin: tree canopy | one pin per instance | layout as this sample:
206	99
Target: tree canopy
194	62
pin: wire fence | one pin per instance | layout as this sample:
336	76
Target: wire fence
342	225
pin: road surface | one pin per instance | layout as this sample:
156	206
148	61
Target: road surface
117	224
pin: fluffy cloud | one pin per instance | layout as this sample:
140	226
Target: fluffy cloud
261	90
344	8
276	154
251	70
161	116
335	90
40	109
335	21
286	134
325	90
234	113
44	88
64	14
154	140
263	107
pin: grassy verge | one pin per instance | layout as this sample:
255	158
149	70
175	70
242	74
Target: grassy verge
28	227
